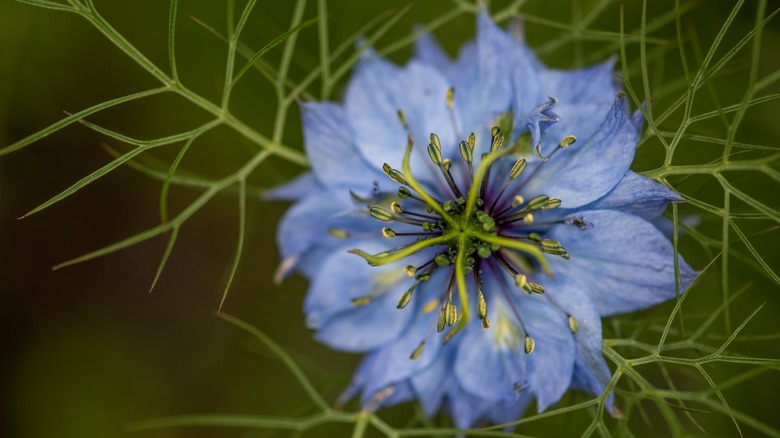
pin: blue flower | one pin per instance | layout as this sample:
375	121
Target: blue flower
494	251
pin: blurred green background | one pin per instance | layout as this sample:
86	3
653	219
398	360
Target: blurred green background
87	349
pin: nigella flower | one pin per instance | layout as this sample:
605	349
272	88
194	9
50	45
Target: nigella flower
492	200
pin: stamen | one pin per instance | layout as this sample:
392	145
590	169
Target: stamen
362	300
573	325
338	233
496	140
406	297
383	215
405	193
570	320
468	156
565	143
481	173
394	174
417	351
450	98
517	169
529	342
403	120
445	167
436	206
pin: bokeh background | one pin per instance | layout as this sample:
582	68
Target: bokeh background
87	349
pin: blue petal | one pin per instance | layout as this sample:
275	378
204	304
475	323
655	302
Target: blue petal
503	412
293	190
590	371
428	50
492	76
486	369
334	158
583	173
465	408
551	364
345	276
624	262
584	96
431	384
377	91
306	224
392	364
635	194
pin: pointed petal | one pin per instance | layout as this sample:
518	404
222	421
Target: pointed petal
391	363
635	194
591	373
345	276
624	262
486	370
465	408
334	158
500	75
428	51
377	91
431	384
306	224
551	364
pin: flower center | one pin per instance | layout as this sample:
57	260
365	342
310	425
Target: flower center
474	227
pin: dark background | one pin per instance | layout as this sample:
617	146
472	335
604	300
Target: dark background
87	349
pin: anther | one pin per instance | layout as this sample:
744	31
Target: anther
388	233
396	208
497	139
394	174
417	351
528	219
472	142
338	233
435	154
481	306
567	141
410	270
404	193
406	297
466	153
362	300
573	325
402	119
538	202
517	169
452	313
529	344
442	322
435	142
517	201
551	204
380	214
521	281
